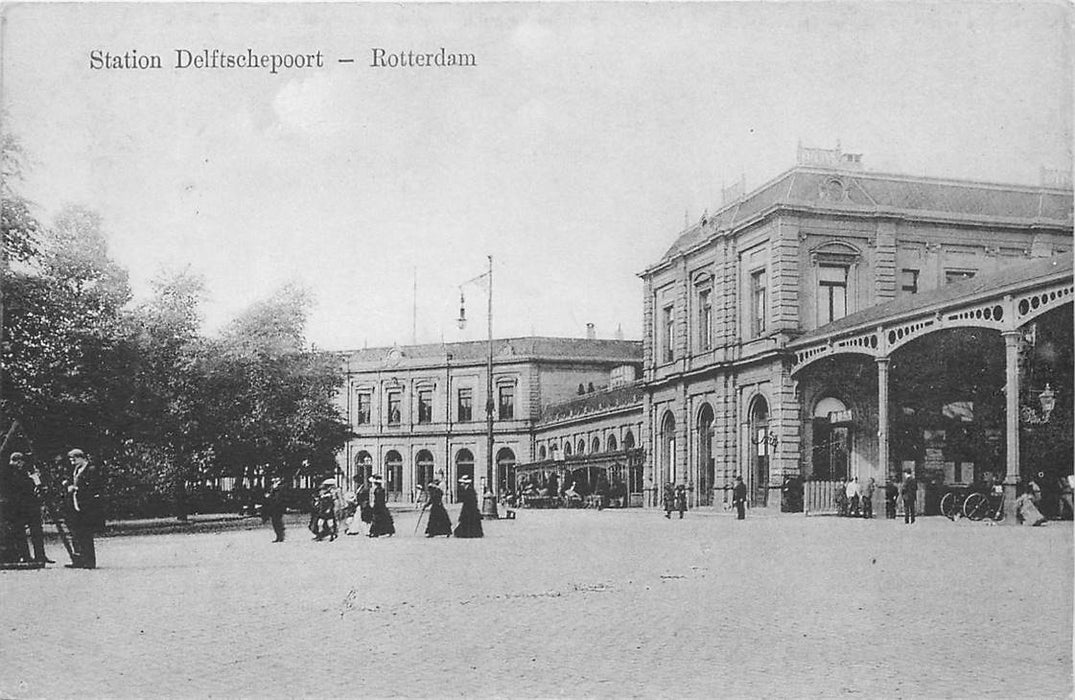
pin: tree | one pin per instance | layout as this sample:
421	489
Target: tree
278	413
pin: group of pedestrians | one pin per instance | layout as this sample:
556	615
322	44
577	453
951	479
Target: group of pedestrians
24	493
365	510
674	498
854	500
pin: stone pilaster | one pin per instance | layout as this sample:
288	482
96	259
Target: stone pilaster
884	263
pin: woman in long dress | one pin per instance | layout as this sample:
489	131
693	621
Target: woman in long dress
470	519
439	522
382	520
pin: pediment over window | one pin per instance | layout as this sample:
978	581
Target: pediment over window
835	253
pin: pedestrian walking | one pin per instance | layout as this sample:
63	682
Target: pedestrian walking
867	498
470	518
35	491
909	490
364	511
380	519
324	508
681	499
669	499
272	508
739	498
15	492
84	512
439	523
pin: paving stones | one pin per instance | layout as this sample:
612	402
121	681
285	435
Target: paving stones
556	603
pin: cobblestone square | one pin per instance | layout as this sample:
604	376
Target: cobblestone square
556	603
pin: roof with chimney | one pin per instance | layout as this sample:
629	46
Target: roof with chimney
835	190
504	349
627	395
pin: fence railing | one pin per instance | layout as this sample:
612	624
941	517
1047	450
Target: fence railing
819	497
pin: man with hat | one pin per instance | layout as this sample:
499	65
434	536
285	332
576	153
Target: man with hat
739	497
470	518
84	511
28	510
325	512
273	508
382	523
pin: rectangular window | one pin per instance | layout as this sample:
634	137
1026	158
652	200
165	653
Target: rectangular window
507	402
951	276
465	407
362	409
425	405
705	320
832	293
909	281
759	303
394	416
667	334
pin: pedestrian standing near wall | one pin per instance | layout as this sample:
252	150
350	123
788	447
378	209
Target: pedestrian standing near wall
84	511
867	498
739	498
681	500
273	508
892	494
669	499
909	490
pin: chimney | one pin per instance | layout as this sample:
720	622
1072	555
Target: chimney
619	332
591	334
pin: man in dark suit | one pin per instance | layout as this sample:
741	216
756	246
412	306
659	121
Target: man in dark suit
739	498
84	509
28	484
909	489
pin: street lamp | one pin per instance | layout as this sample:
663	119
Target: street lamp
489	498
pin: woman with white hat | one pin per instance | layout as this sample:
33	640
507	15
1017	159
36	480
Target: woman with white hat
470	519
382	520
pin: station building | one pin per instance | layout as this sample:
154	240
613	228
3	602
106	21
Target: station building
418	411
836	323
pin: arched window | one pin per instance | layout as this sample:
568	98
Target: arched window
541	453
581	446
706	467
595	446
464	464
668	448
393	472
611	444
757	476
363	468
505	465
628	440
423	468
567	448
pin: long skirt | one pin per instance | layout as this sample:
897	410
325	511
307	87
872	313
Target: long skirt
470	522
382	522
439	522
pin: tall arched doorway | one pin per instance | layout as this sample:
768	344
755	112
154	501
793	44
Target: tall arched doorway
705	466
831	440
363	468
423	468
667	449
505	464
393	475
759	451
464	466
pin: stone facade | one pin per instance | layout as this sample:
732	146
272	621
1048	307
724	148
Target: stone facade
408	404
806	249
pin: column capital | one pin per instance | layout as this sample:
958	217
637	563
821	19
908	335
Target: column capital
883	360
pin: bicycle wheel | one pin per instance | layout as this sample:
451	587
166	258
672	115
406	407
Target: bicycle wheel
950	506
976	507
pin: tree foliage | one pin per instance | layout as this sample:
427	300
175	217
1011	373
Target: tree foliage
137	384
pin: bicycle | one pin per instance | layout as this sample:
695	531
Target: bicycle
979	506
952	504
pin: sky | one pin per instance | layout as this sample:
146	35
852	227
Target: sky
572	152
